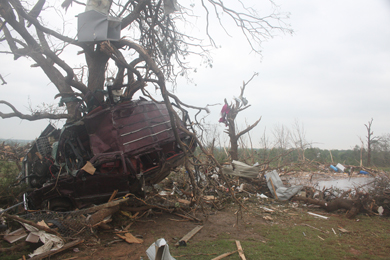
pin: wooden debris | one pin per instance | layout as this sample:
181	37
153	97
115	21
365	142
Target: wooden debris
321	238
129	238
344	230
313	228
128	226
43	224
100	215
113	195
223	255
52	252
189	235
179	220
273	187
15	235
19	219
267	209
209	197
107	205
185	202
316	215
240	250
89	168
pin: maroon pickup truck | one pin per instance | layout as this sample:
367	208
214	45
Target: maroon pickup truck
121	147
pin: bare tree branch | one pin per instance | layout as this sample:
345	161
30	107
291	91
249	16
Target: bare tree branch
3	81
33	117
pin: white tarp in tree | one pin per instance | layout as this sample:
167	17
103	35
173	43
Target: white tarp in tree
282	192
241	169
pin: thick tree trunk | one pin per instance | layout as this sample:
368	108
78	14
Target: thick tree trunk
232	135
97	62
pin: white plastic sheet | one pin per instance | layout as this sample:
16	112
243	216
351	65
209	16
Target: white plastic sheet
241	169
159	250
50	241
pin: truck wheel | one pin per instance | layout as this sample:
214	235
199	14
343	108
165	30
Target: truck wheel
60	204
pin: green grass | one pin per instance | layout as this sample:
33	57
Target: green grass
369	238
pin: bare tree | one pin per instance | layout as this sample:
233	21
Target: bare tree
282	137
370	141
229	113
298	137
157	51
154	50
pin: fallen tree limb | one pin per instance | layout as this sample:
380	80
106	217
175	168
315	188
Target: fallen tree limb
31	223
353	206
106	205
100	215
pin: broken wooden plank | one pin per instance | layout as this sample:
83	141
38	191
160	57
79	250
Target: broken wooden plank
52	252
189	235
273	187
129	238
313	228
344	230
240	250
224	255
316	215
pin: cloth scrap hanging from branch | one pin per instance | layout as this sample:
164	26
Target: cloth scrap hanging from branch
224	112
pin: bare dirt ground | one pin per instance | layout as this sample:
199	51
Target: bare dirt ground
169	227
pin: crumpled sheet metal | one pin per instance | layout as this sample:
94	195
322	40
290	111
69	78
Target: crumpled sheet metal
282	192
159	250
241	169
50	241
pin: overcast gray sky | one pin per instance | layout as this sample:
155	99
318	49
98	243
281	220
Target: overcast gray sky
332	74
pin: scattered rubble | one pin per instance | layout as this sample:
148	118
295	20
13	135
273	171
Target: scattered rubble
175	195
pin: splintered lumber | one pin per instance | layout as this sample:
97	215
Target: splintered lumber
224	255
273	187
240	250
101	215
113	195
189	235
52	252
